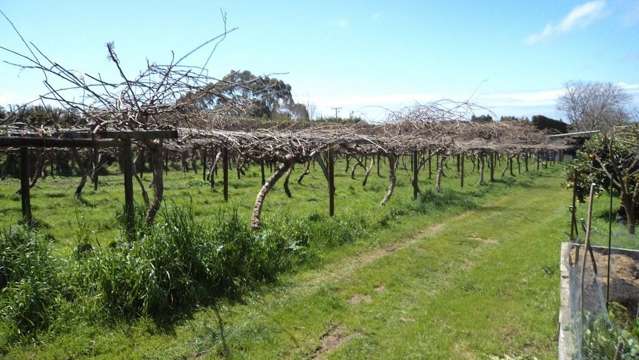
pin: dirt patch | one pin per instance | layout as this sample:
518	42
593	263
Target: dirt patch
380	288
359	299
624	275
476	237
333	338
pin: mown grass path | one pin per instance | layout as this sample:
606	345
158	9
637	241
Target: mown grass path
478	284
471	285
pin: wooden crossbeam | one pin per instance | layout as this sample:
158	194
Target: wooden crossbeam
46	142
86	134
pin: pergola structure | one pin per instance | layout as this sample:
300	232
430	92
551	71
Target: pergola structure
421	140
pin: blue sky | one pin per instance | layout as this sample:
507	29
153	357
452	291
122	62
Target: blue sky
511	56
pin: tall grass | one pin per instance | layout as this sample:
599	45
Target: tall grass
168	269
29	286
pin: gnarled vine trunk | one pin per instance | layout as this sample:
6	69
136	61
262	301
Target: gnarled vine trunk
440	173
155	148
392	179
481	169
256	217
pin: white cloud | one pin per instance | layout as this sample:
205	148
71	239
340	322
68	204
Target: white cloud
375	107
532	98
579	16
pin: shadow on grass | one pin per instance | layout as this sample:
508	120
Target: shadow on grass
431	200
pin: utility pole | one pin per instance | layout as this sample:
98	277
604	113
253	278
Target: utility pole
337	109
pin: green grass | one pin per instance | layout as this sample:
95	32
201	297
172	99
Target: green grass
620	236
467	274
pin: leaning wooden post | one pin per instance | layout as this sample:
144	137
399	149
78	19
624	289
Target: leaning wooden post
24	186
415	163
225	171
126	162
330	169
573	209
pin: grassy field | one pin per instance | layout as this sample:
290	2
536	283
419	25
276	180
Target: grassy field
472	276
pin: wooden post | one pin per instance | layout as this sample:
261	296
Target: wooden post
415	163
225	169
330	167
204	153
537	160
461	169
430	165
510	165
492	166
126	162
573	210
24	186
94	159
481	168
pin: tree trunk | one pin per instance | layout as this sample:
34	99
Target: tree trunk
415	166
256	221
368	172
492	167
286	188
158	181
392	179
430	165
306	171
440	173
481	169
83	173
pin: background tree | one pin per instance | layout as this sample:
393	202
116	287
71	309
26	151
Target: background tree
611	159
542	122
481	118
511	118
595	105
245	94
